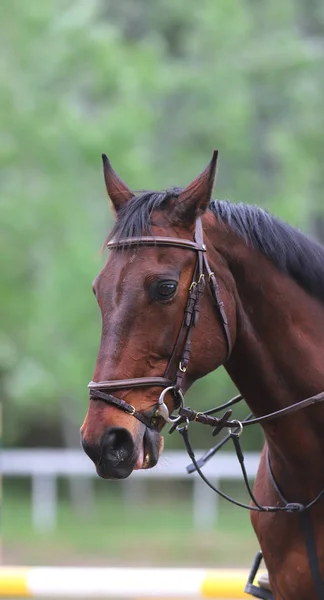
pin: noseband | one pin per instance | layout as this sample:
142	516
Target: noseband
202	272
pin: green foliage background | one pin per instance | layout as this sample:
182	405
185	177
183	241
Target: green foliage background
157	86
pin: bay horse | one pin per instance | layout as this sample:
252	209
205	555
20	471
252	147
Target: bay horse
257	286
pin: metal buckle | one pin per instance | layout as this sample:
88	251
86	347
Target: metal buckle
197	415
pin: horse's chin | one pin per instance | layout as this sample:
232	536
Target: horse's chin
150	450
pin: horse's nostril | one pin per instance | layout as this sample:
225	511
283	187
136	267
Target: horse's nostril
113	448
116	456
117	438
117	447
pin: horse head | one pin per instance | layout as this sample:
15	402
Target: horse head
160	330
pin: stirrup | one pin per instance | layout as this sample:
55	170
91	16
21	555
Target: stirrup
262	590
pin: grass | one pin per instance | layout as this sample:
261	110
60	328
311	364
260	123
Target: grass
156	531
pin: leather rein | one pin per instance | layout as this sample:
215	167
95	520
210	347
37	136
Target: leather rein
101	390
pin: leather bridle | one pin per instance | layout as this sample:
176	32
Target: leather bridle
100	390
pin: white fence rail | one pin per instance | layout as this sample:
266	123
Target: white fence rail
44	466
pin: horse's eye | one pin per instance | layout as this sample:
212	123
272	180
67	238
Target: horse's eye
165	290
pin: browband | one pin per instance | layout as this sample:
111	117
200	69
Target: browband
158	241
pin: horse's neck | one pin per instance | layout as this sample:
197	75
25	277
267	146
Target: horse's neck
278	356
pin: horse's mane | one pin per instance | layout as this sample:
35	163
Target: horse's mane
290	250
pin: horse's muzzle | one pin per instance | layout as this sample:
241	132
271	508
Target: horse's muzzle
118	455
114	457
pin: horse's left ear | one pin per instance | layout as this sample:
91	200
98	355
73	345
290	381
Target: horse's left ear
194	199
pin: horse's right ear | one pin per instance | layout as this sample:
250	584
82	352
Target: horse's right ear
194	199
117	190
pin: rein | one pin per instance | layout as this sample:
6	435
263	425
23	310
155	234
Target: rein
100	390
235	437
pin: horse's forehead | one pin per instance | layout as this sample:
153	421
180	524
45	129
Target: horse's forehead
118	264
133	263
135	266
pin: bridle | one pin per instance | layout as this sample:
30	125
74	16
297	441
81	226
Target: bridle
202	272
100	390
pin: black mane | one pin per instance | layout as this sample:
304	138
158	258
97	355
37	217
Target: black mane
290	250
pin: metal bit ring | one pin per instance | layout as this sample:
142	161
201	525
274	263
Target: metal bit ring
163	410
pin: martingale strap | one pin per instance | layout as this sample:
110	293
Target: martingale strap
287	507
236	428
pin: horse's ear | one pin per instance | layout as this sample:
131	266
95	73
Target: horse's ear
194	199
117	190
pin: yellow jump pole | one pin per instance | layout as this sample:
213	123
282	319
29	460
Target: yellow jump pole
101	582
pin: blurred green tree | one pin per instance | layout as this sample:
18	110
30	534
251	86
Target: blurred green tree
157	86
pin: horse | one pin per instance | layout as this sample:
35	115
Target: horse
191	284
